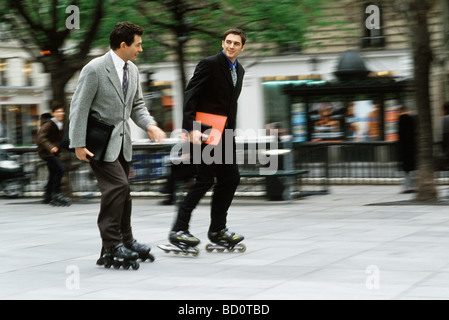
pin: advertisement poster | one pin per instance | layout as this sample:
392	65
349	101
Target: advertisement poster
327	121
391	120
299	122
363	121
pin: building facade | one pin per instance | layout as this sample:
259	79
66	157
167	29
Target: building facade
377	30
23	95
385	52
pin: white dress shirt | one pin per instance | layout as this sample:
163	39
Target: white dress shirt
119	64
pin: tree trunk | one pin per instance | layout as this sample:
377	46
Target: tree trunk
181	65
423	59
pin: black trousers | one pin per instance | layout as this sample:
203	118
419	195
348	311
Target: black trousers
114	219
55	173
227	179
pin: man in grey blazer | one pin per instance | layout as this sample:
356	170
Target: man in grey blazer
110	90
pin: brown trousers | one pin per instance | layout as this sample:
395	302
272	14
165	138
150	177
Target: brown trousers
114	219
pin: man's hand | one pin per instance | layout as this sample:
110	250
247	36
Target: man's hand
196	137
82	153
155	133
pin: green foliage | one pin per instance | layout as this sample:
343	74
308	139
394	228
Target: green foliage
281	25
274	26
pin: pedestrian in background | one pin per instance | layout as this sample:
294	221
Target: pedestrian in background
407	148
48	140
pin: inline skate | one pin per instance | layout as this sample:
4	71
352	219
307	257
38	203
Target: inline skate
58	200
181	241
118	256
225	240
142	250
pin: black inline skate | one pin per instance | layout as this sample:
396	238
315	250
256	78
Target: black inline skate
225	240
181	241
58	200
141	249
118	256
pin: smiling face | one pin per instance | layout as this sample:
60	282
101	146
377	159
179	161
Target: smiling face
131	52
232	46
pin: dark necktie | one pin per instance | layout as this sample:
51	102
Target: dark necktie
234	75
125	80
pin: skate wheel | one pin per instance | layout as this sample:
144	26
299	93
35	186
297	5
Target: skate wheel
151	258
220	250
197	251
209	247
135	266
242	248
107	262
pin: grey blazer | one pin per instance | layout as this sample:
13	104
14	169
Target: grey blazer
99	92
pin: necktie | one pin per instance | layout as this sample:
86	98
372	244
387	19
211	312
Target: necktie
125	80
234	75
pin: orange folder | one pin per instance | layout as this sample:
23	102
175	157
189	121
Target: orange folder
216	122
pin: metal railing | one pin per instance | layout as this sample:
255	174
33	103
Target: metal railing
327	164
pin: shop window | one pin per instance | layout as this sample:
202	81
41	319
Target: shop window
279	114
20	122
353	119
27	73
332	117
3	70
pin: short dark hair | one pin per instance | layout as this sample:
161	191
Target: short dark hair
124	32
236	31
55	105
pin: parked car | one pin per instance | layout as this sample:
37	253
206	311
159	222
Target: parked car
12	177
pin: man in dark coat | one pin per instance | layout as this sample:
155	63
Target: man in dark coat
48	140
214	88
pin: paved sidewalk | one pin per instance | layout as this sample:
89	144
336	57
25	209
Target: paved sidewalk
358	242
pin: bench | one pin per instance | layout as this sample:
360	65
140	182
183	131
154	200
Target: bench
276	188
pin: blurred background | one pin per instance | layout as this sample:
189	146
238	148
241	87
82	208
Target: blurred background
333	72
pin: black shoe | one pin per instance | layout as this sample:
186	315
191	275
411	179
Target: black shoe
121	252
58	200
100	261
225	237
183	238
118	256
142	250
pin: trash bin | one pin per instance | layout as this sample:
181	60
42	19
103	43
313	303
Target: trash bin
276	187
